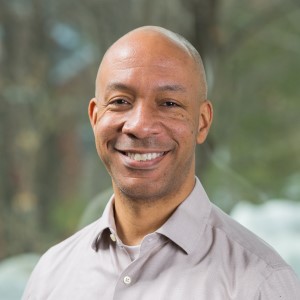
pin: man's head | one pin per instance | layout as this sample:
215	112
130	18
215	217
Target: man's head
149	113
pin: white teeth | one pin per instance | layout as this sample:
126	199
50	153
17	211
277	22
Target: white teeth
144	156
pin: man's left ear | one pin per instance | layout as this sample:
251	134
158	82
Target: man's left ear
205	120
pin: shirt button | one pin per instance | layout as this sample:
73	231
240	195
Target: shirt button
127	280
113	237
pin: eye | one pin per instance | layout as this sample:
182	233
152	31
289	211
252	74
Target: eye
170	104
119	101
118	104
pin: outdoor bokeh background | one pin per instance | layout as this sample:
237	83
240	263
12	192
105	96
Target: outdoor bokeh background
49	169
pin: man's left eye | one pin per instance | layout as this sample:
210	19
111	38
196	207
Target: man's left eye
170	104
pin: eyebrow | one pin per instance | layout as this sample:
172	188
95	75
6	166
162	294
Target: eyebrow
117	86
171	88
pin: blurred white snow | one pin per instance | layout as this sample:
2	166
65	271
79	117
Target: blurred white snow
277	222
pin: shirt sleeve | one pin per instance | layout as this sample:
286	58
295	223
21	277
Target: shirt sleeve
282	284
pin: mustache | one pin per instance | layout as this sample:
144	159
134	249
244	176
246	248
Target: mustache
125	143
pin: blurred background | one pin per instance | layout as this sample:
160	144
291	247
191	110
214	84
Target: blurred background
51	179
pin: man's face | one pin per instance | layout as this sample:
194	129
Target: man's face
146	118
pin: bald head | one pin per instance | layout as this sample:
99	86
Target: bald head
149	39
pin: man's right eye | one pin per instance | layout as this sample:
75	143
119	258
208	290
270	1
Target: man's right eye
119	101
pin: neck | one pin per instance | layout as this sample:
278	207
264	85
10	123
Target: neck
135	219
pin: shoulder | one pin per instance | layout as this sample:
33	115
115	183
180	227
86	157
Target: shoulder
280	284
242	239
251	260
60	259
82	240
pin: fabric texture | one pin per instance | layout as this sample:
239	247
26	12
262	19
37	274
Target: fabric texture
199	253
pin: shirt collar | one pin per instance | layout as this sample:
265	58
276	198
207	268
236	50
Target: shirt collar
187	223
107	221
184	227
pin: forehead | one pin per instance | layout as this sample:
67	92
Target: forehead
148	58
148	44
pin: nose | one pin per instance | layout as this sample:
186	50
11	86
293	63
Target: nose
141	121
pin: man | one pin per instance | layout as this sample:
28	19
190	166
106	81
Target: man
159	236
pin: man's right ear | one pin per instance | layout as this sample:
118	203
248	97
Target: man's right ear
93	111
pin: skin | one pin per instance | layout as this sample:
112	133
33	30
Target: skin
150	99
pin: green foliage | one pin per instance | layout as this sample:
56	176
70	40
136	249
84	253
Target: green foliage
256	95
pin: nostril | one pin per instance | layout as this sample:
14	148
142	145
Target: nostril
131	135
139	131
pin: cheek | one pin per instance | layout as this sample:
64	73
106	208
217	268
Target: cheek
184	127
104	131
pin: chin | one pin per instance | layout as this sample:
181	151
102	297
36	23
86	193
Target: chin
142	192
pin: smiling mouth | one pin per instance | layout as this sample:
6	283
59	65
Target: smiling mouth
144	156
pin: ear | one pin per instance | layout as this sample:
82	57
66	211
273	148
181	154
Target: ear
93	111
205	120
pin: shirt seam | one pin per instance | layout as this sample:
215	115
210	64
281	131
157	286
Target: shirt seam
271	268
268	277
268	264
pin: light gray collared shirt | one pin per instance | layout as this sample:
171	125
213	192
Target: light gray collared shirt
199	253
